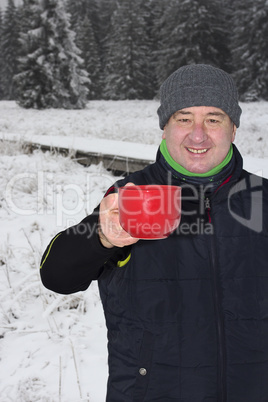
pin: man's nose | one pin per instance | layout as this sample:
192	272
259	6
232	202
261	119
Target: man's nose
198	133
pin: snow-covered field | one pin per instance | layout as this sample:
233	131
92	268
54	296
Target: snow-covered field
134	121
53	347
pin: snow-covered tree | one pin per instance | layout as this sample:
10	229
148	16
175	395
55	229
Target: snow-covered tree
151	11
86	42
51	72
126	55
1	59
9	49
102	28
105	9
156	10
250	50
77	9
124	49
26	14
192	31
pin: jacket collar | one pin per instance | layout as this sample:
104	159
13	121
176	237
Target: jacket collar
167	175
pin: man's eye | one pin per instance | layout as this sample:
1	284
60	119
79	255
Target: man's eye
213	121
184	120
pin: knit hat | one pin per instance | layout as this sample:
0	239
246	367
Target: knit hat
198	85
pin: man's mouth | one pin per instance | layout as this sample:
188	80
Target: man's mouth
197	151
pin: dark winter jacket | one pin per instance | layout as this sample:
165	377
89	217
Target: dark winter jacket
187	316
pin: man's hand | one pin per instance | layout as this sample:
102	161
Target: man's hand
111	232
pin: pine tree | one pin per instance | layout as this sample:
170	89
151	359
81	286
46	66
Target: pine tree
26	13
1	58
150	10
192	31
93	12
156	10
126	56
10	49
78	10
250	50
84	17
51	73
86	42
81	9
106	9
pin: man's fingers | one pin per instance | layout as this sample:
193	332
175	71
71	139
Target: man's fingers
130	184
112	232
109	203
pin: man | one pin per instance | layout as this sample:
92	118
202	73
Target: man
187	316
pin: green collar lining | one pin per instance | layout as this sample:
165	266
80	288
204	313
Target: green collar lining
182	170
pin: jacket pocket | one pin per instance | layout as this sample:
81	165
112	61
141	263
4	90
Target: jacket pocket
145	366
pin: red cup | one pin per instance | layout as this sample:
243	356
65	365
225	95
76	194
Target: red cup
149	211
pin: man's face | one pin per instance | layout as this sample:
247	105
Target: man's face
199	137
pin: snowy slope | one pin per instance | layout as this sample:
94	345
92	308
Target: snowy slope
53	347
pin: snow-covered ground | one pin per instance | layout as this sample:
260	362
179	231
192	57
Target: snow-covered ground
134	121
53	347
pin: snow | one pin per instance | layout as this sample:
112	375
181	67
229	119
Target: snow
91	145
53	347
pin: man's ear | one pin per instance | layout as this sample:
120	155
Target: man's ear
234	132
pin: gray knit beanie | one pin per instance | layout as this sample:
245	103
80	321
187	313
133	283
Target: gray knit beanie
198	85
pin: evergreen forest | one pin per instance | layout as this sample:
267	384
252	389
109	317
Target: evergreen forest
63	53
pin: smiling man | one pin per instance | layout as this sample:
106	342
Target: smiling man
187	316
199	113
198	138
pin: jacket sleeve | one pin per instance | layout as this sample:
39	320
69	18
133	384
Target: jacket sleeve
75	257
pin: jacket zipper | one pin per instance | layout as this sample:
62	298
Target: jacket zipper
218	314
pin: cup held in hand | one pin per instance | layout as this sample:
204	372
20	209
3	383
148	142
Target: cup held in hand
149	211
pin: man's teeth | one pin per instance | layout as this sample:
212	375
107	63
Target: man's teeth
198	151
